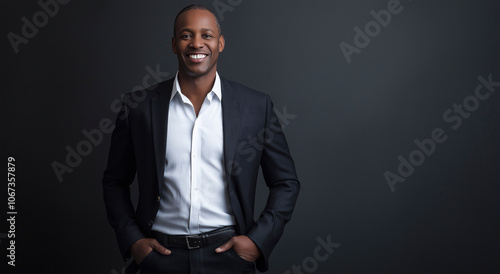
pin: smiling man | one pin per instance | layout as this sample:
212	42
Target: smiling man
195	144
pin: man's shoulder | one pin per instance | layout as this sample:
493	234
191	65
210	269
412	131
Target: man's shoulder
240	89
153	90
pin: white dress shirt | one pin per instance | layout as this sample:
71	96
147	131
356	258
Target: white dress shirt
194	197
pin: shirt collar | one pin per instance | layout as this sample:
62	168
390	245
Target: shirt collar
216	89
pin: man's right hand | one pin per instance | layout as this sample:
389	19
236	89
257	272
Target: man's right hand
144	246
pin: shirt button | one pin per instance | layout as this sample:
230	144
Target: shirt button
158	198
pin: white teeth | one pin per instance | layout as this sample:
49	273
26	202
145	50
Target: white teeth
197	56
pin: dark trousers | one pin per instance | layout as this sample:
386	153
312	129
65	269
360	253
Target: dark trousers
202	260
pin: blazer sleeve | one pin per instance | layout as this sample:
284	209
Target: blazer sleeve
279	173
118	177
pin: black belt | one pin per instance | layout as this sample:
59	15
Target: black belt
196	240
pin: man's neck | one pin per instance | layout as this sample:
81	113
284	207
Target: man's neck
196	87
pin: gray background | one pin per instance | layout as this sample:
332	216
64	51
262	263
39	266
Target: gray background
352	122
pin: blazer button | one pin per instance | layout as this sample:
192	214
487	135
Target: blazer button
150	223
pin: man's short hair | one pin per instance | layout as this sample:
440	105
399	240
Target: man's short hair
198	7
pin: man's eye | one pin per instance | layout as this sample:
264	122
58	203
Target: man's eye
183	36
207	36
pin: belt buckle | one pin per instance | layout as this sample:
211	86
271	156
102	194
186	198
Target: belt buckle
195	244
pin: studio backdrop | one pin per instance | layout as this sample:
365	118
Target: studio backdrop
391	110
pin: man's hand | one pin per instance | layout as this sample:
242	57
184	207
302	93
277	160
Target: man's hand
144	246
243	246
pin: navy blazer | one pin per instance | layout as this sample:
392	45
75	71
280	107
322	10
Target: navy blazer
253	137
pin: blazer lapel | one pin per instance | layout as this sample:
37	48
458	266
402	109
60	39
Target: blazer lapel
159	116
230	124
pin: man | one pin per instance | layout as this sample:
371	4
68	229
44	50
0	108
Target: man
196	143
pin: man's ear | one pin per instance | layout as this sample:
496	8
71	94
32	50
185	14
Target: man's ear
174	46
222	43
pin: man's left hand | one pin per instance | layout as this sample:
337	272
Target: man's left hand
243	246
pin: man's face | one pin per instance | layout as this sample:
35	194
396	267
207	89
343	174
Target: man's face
197	42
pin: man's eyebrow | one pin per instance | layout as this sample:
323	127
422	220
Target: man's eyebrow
190	30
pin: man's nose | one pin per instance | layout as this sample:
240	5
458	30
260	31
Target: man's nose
197	42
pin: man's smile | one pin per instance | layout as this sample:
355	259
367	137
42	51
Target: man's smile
197	57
